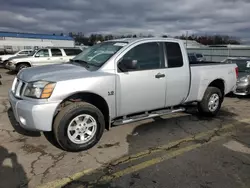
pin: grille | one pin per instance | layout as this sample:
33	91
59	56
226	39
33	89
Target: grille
241	90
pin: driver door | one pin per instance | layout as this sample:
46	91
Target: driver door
42	57
142	89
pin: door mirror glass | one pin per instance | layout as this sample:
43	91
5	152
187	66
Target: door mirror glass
127	64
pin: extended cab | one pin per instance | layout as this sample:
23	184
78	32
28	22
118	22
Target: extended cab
44	56
113	83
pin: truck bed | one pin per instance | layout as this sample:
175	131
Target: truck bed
201	77
204	63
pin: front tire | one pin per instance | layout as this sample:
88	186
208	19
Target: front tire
22	66
211	102
78	126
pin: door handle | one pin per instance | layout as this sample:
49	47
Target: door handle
159	75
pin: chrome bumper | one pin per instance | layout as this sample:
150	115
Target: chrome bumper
10	67
33	116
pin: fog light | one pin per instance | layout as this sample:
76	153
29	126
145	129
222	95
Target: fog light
22	120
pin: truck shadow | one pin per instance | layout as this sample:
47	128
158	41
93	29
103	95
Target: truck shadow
153	134
18	128
12	173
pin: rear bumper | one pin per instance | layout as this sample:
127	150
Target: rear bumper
33	116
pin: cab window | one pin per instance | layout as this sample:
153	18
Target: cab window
147	55
43	53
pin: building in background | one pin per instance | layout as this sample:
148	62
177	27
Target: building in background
12	42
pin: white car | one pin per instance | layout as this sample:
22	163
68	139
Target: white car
19	53
44	56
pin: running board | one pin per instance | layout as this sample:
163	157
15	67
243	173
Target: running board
146	116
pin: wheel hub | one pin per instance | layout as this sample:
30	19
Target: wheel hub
213	102
82	128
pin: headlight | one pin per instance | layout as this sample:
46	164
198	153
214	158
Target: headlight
39	89
244	79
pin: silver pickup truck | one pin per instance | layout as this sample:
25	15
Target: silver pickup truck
113	83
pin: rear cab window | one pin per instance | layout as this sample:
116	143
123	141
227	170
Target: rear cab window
173	55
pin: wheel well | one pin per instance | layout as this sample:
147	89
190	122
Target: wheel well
219	83
27	63
91	98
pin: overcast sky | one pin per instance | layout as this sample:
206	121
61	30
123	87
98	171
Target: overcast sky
173	17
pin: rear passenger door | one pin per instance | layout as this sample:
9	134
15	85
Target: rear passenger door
177	74
57	56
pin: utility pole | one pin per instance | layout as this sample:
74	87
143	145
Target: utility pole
186	38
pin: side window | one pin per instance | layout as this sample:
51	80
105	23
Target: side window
148	56
174	55
56	52
43	53
72	52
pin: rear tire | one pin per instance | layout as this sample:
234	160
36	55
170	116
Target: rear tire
211	102
78	126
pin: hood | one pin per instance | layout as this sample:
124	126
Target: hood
54	73
4	57
21	57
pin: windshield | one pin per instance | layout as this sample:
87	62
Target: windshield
32	53
98	54
243	65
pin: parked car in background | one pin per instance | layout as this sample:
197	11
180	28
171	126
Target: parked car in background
192	58
229	59
198	56
44	56
243	81
114	83
3	58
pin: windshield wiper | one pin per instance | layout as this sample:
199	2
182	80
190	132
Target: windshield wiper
80	61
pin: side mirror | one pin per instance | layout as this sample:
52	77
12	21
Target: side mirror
127	64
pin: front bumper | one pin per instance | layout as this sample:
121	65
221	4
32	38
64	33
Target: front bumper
242	89
31	115
10	66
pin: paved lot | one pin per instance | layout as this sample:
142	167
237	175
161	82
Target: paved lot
183	150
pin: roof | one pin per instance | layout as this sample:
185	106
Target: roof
131	40
34	36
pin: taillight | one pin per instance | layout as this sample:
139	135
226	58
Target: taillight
237	72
